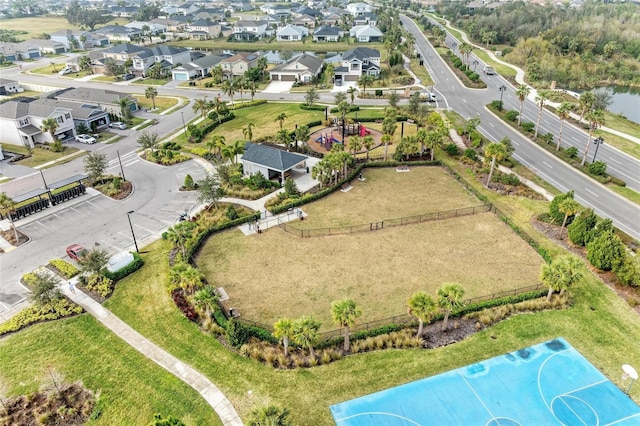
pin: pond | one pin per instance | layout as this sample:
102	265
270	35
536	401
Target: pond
625	101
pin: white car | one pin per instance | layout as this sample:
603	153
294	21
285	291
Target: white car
85	139
65	71
118	125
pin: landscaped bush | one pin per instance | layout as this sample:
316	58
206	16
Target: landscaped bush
512	115
556	215
598	168
175	146
571	152
246	104
451	149
313	107
66	269
100	284
59	308
166	157
352	108
508	179
580	231
127	270
183	304
605	251
528	126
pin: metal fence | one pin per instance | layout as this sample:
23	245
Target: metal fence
374	226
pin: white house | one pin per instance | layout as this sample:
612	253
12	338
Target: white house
167	56
358	62
249	30
9	86
356	9
291	33
83	39
196	69
366	34
21	123
302	68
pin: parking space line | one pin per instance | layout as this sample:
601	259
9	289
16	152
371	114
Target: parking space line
79	212
44	226
98	207
145	229
109	244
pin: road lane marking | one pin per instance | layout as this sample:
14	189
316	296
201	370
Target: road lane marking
44	226
548	165
591	192
491	124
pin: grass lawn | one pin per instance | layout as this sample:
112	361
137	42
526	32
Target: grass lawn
334	267
501	69
48	70
277	46
105	364
162	103
152	81
109	78
421	72
622	124
623	144
40	156
35	26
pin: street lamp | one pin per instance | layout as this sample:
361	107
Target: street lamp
121	169
597	141
184	128
344	126
502	90
475	62
135	243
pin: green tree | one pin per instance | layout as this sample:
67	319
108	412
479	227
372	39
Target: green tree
186	277
605	250
423	307
364	81
585	103
202	106
270	415
465	49
393	98
231	151
44	287
188	182
283	330
50	125
522	92
248	131
561	273
179	234
581	228
151	93
93	261
125	109
368	142
497	152
541	98
311	96
7	205
339	97
209	190
569	207
344	314
554	213
351	91
280	118
85	17
564	112
228	89
302	134
217	74
207	299
84	63
148	140
595	119
449	298
354	144
305	333
95	164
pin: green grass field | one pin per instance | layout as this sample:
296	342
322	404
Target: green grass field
162	102
40	156
36	26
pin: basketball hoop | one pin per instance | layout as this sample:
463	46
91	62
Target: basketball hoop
628	372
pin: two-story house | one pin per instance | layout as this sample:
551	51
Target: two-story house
21	123
356	9
366	19
197	68
249	30
356	63
238	64
205	29
79	38
166	56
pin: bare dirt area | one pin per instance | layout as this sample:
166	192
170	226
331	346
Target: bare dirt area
10	236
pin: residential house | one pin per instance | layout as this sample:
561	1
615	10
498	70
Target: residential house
120	53
292	33
82	39
26	51
187	9
366	19
8	51
215	14
306	10
276	9
356	9
366	34
196	68
154	28
8	87
331	19
172	25
44	46
118	33
205	29
302	68
21	123
249	30
238	64
305	21
358	62
328	33
106	100
166	56
92	116
123	11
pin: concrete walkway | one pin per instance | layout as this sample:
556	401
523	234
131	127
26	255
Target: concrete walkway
186	373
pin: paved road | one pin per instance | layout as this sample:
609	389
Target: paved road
471	103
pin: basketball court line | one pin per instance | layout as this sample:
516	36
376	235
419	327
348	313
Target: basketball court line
623	419
476	394
383	413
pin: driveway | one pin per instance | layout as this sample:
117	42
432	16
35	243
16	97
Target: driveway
278	87
345	86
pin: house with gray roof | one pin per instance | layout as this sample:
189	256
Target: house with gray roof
118	33
8	87
108	100
366	34
8	51
21	123
90	115
272	163
44	46
250	30
166	56
83	39
302	68
328	33
206	29
197	68
358	62
366	19
291	33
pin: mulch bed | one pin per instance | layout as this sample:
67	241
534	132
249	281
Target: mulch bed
9	235
457	329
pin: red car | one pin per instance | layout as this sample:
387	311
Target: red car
76	251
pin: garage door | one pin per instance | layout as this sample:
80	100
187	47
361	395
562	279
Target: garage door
180	76
275	77
350	78
285	77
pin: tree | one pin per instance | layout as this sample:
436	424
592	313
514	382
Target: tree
283	330
354	144
44	287
330	71
522	92
206	298
344	314
231	151
423	307
302	134
125	108
217	74
7	205
281	117
202	106
312	96
563	111
305	333
569	207
84	63
93	261
270	415
351	91
560	274
465	49
471	126
595	119
151	93
340	97
156	71
364	81
50	125
542	96
248	131
85	17
218	142
606	250
179	234
497	152
209	190
368	142
580	230
228	89
148	140
393	98
185	276
95	164
585	103
449	298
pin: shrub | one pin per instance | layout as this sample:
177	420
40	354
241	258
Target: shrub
451	149
127	270
32	314
580	230
313	107
237	334
246	104
628	270
512	115
188	182
183	304
471	154
508	179
528	126
618	182
556	215
598	168
231	213
100	284
221	320
571	152
66	269
605	251
174	146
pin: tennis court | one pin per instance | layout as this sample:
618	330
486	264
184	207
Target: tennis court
546	384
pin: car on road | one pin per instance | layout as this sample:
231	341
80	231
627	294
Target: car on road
65	71
128	76
488	70
427	96
85	138
76	251
118	125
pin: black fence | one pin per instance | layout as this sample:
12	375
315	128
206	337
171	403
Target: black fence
29	209
68	194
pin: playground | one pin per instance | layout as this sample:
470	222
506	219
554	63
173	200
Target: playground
321	141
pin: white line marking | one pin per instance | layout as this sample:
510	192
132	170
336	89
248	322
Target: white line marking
476	394
548	165
109	244
79	212
126	236
45	227
491	124
591	192
97	207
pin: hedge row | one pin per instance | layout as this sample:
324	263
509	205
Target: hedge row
352	108
238	333
127	270
39	313
246	104
211	126
202	236
313	107
65	268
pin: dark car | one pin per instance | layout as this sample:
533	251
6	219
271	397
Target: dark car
128	76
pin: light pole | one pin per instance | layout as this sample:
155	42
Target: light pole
502	90
121	168
135	243
597	141
184	128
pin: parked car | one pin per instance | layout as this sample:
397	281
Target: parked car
65	71
118	125
85	138
427	96
128	76
488	70
76	251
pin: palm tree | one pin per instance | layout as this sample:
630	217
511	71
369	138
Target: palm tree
125	110
179	234
50	125
423	307
233	150
595	119
305	333
368	143
542	96
270	415
569	207
151	93
563	111
186	277
330	71
218	142
561	273
344	314
449	298
206	298
252	87
434	137
228	89
248	131
386	139
283	330
262	64
522	92
355	144
585	103
364	81
339	97
497	152
280	118
351	91
7	205
216	74
202	106
465	49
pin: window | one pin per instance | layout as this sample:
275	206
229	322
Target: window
67	115
23	121
60	119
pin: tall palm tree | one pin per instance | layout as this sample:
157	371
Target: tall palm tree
206	298
330	71
585	103
7	205
569	207
232	151
339	97
218	142
305	333
351	91
522	92
252	87
368	143
563	111
202	106
465	49
216	74
125	110
283	330
497	152
50	125
248	131
151	93
595	119
364	81
449	298
434	137
542	96
186	277
280	118
344	314
262	64
228	89
354	144
179	234
423	307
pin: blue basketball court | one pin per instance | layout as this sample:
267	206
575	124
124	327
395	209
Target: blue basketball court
546	384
